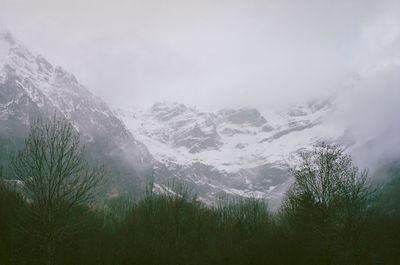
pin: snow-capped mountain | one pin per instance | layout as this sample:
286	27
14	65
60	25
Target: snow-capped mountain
31	87
238	151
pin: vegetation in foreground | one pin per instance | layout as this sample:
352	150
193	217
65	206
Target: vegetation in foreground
330	215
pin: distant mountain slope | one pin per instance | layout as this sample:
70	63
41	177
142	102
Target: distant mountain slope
31	87
235	151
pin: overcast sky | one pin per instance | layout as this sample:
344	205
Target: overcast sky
208	53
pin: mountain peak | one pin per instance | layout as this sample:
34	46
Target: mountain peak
14	54
6	42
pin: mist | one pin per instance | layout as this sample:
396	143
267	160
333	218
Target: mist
216	54
262	53
369	109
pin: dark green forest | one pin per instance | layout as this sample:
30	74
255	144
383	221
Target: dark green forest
51	213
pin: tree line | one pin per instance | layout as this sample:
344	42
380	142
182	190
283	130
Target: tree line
50	213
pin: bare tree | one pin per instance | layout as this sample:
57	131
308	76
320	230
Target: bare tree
56	180
330	195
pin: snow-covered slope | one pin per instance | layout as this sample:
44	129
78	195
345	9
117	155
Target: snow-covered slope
31	87
229	139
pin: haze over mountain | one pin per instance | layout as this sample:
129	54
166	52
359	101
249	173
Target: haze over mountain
262	54
235	151
229	131
31	88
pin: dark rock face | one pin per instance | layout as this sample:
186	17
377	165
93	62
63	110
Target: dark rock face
297	112
267	128
293	128
197	140
251	117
